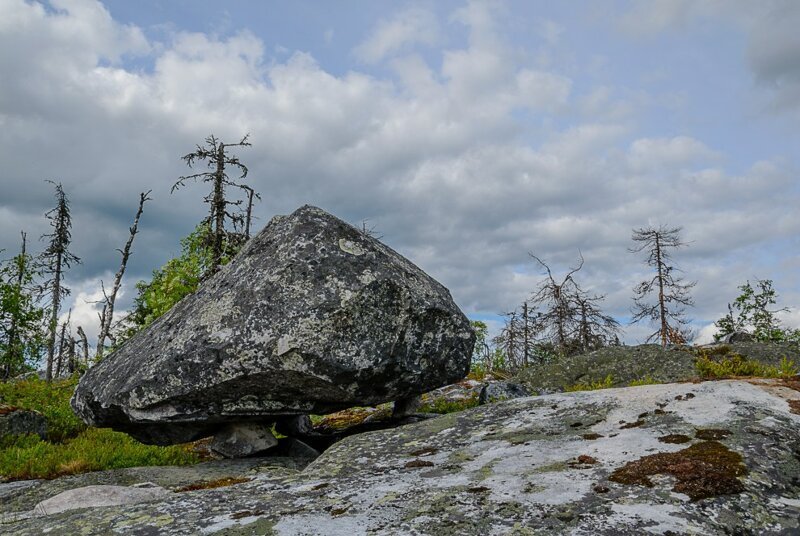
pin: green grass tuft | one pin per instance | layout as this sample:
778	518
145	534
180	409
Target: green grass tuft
734	365
646	380
71	446
605	383
440	405
94	449
51	400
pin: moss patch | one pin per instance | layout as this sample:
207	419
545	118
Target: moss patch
675	439
212	484
707	469
712	434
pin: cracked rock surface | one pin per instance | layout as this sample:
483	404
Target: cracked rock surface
536	465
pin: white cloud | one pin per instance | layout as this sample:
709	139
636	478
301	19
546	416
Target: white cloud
465	165
409	27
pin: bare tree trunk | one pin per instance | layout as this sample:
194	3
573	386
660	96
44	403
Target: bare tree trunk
61	344
51	343
107	315
84	345
662	308
218	209
250	194
525	338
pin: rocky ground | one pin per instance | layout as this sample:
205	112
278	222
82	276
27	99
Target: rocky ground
627	364
706	458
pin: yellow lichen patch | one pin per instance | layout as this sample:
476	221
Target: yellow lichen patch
351	417
703	470
211	484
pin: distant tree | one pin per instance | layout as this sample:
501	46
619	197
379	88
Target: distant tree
21	334
56	259
672	293
109	299
571	320
595	328
220	240
557	301
753	314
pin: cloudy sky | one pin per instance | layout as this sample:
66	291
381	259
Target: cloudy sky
468	133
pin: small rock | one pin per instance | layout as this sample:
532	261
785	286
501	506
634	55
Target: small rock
736	336
404	407
499	391
240	440
294	426
15	421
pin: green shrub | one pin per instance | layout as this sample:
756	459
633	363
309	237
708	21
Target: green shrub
646	380
49	399
441	405
734	365
606	383
94	449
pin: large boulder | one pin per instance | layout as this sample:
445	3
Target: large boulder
312	316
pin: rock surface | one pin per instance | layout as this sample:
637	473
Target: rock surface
626	364
240	440
571	463
14	421
499	391
312	316
94	496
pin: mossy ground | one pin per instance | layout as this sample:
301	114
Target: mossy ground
703	470
71	446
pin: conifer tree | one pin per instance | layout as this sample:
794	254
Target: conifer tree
56	259
672	292
21	334
222	242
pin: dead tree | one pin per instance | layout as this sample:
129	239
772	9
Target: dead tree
63	342
668	310
213	153
107	314
595	328
557	302
56	259
84	343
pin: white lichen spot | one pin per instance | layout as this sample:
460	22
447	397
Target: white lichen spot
348	246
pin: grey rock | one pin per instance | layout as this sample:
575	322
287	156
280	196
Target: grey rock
294	448
508	468
312	316
499	391
96	496
624	364
736	336
22	421
406	406
240	440
296	425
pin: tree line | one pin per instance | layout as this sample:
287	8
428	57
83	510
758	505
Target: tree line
560	318
33	289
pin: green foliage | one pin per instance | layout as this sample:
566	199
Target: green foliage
750	312
178	278
441	405
734	365
94	449
605	383
71	447
22	334
49	399
646	380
